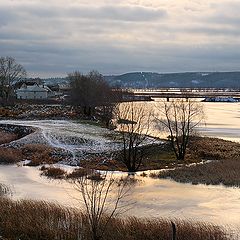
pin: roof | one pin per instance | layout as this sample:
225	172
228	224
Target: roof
34	88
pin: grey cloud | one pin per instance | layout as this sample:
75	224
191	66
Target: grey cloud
224	20
7	16
122	13
57	39
118	13
108	59
212	31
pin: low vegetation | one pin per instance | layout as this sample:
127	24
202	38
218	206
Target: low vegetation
224	167
7	137
38	110
78	173
37	220
53	172
226	172
213	148
10	155
37	154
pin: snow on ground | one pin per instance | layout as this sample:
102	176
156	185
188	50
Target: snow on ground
76	138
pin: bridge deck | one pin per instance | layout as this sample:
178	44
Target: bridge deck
186	93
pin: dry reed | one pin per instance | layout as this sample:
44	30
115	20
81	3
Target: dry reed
41	220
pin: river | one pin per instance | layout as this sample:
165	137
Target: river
151	197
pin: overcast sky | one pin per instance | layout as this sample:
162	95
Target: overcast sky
55	37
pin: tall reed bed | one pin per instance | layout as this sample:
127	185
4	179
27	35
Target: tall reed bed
26	219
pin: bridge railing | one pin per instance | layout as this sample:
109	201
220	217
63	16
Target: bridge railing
184	90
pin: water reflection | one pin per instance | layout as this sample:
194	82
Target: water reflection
151	197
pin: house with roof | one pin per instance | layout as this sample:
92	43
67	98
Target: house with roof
34	92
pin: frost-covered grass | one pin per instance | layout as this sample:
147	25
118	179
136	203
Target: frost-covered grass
26	219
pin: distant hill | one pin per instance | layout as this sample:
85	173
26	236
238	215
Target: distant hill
158	80
183	80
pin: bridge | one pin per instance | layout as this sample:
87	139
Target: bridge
183	93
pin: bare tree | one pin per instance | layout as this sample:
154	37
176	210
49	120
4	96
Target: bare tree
10	72
102	197
180	118
89	91
133	123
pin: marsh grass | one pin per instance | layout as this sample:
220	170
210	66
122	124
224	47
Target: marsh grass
10	155
53	172
39	154
7	137
78	173
223	169
226	172
37	220
213	148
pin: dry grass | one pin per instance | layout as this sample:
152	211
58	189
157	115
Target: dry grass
78	173
58	173
6	137
54	172
213	148
225	172
6	112
224	168
31	109
10	155
27	220
39	154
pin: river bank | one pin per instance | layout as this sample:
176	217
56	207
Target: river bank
40	147
224	167
154	197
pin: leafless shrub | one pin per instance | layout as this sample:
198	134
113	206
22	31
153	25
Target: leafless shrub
54	172
100	204
79	173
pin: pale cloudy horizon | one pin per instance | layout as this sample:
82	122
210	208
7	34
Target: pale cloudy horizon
52	38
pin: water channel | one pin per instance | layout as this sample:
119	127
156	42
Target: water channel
151	197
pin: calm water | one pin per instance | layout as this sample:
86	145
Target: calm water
223	121
149	198
152	197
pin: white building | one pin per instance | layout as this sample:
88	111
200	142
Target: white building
34	92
